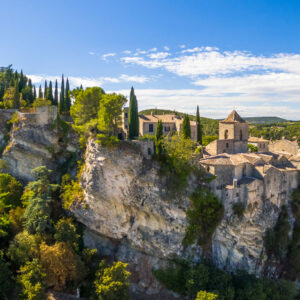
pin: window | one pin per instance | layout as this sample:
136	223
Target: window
226	134
227	145
150	127
126	126
126	115
241	135
149	151
167	128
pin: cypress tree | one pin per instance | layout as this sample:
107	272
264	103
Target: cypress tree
40	92
62	106
67	98
2	91
199	126
21	81
49	94
16	99
30	94
133	116
45	89
55	100
34	93
159	138
186	127
81	87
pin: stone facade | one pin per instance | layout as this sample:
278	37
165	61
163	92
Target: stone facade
261	144
233	136
285	146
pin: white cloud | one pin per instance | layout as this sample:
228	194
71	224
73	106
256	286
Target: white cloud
127	52
107	55
92	53
182	46
159	55
166	48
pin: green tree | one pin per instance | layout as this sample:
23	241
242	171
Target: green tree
68	99
186	127
6	283
199	126
49	93
62	102
45	89
109	115
32	281
38	195
34	93
203	295
112	282
55	99
159	138
65	231
10	190
133	116
40	92
16	97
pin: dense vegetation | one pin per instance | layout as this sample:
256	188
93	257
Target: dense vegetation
187	279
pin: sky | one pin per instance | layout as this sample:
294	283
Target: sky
220	55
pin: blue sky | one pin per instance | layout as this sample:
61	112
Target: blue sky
221	55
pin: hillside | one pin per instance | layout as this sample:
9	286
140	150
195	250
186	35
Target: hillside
264	120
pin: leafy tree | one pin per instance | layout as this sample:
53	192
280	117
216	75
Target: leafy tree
10	190
203	295
55	99
159	138
109	115
32	281
204	216
16	219
199	126
65	231
186	127
133	117
112	281
62	265
23	247
252	148
84	111
6	283
39	192
208	139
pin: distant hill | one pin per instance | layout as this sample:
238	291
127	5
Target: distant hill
264	120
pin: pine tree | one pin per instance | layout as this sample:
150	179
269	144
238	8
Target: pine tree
16	99
159	138
81	87
62	106
133	116
186	127
21	81
49	93
40	92
45	89
30	94
55	100
67	97
199	126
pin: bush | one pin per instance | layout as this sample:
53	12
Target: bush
252	148
238	209
202	295
208	139
203	217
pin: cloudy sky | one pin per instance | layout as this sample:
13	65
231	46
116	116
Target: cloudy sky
220	55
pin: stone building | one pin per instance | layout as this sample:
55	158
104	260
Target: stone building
260	143
233	136
284	146
147	124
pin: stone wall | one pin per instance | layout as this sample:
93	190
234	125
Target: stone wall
284	146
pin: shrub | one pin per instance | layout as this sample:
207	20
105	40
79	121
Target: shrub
203	295
66	231
203	217
238	209
208	139
252	148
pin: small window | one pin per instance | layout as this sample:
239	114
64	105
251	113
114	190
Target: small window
126	115
167	128
126	126
149	151
227	145
241	135
207	169
226	134
237	194
150	127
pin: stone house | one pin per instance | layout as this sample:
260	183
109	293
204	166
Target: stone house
285	146
260	143
233	136
147	124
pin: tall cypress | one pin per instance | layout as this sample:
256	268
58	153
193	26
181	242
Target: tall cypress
21	81
62	106
16	99
68	99
49	94
199	126
40	92
159	138
34	93
186	127
45	89
30	94
133	116
55	100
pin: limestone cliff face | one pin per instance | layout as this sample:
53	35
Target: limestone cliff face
127	207
35	141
